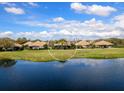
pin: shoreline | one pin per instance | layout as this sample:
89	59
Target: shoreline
43	55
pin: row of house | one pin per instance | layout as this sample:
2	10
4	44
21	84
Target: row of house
35	45
80	44
98	44
87	44
60	45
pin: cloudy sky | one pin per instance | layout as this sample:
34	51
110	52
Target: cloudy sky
62	20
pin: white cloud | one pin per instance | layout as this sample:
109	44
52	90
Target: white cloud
33	4
88	29
78	7
14	10
93	9
119	21
6	34
34	35
119	17
7	4
58	19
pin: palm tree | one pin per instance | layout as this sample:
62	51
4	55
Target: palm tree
62	41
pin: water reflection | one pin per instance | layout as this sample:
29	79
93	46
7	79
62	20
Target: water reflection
74	74
94	62
84	62
7	63
90	62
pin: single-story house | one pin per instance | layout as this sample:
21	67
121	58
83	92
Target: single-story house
83	44
103	44
65	45
37	45
18	46
28	43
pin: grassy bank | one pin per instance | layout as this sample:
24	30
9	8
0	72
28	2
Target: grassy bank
43	55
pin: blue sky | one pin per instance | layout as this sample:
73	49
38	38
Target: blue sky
66	20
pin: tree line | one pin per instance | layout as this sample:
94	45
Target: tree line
9	43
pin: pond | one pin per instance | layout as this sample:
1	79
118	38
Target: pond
74	74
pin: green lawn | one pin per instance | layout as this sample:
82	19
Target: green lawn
43	55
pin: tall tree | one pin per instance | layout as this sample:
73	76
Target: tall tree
62	41
22	40
6	43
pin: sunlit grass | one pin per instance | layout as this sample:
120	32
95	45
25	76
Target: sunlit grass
43	55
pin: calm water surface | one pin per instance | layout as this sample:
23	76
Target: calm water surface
75	74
